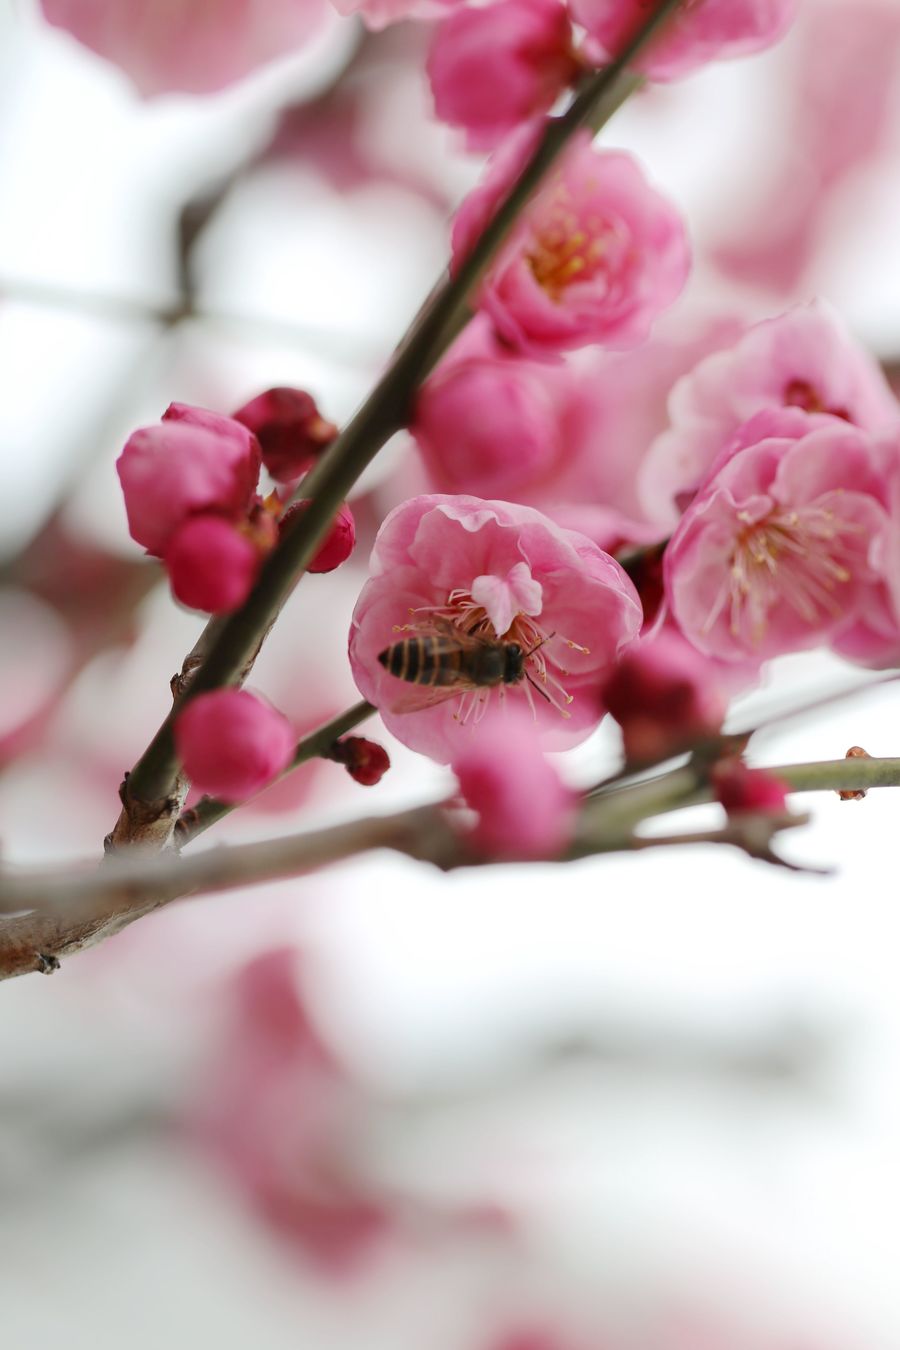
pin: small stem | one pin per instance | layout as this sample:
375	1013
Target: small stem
210	809
150	786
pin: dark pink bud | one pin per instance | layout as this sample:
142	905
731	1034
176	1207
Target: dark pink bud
664	696
290	430
741	790
338	546
212	565
365	761
181	468
232	743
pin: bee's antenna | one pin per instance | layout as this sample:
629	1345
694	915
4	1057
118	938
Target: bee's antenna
543	693
537	647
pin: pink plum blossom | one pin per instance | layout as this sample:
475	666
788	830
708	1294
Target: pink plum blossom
291	431
491	69
181	468
189	46
567	438
212	564
472	571
525	811
699	31
803	359
595	258
780	549
232	743
665	696
282	1116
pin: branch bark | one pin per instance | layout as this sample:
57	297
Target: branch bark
54	914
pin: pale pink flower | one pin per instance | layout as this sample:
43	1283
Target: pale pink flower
468	572
377	14
493	68
232	743
802	359
595	258
665	696
525	811
190	46
282	1114
700	31
181	468
291	431
212	564
779	550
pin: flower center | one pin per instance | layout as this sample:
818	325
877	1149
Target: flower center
798	558
802	394
565	248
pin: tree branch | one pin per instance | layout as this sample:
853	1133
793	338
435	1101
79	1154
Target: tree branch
53	914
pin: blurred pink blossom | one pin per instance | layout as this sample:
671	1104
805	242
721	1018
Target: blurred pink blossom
665	696
595	258
232	743
741	790
291	431
493	68
378	14
699	31
525	811
279	1111
184	466
804	359
779	550
188	46
470	570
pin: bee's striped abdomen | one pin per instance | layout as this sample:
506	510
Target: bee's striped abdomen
424	661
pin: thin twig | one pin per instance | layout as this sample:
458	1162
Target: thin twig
71	908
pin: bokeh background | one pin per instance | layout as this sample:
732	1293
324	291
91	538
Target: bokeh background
640	1102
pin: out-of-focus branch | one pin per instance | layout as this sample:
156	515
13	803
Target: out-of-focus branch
152	796
53	914
210	809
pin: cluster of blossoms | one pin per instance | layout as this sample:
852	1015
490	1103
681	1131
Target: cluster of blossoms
190	487
756	469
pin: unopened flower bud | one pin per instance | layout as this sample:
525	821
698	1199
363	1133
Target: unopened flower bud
742	790
290	429
664	696
338	544
182	467
232	743
366	761
212	564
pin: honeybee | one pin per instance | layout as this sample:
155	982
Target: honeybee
450	661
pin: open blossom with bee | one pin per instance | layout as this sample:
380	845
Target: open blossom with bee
467	575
